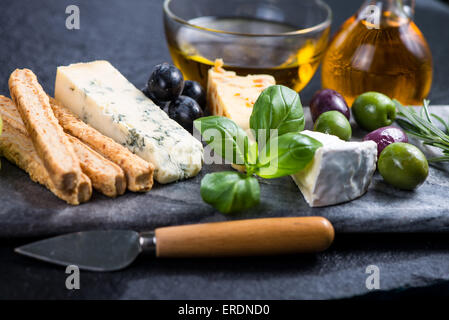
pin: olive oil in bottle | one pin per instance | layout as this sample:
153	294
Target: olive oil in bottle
387	54
292	61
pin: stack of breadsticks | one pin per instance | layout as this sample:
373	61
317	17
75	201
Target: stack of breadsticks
60	151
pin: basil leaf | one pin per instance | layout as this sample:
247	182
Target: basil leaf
278	108
230	191
285	155
225	137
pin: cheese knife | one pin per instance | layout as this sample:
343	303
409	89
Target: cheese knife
113	250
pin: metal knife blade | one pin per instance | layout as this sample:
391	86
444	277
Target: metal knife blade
90	250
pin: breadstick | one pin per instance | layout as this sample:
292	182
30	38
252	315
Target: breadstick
139	173
48	138
18	148
9	113
107	177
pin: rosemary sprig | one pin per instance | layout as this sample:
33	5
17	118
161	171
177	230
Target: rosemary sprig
421	126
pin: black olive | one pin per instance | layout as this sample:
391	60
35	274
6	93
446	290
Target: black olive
166	82
184	110
195	91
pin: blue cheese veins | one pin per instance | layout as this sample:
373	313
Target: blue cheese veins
102	97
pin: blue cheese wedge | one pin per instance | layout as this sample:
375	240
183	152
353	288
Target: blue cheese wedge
340	171
102	97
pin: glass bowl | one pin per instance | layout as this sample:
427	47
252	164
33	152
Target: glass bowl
284	38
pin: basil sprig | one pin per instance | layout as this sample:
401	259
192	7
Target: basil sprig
279	150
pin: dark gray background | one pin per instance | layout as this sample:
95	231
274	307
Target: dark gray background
129	34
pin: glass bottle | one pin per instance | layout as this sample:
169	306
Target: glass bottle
381	49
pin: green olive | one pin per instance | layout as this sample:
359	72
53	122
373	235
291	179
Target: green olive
373	110
403	166
335	123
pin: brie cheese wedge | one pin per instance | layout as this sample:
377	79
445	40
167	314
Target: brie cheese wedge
340	171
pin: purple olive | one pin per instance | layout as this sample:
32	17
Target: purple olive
385	136
328	100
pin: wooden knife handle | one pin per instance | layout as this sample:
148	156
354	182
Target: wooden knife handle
254	237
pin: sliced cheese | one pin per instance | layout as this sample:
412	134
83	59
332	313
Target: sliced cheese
340	171
234	96
106	100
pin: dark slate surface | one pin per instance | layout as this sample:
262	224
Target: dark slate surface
129	34
30	210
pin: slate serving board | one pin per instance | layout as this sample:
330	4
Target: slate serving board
28	209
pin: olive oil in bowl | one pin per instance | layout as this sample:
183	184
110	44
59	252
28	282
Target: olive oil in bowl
248	46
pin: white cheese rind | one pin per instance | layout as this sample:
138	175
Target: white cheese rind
102	97
340	171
